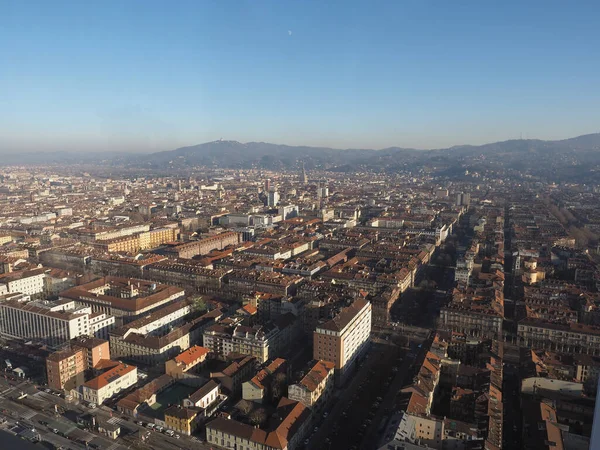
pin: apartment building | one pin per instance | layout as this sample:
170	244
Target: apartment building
248	281
204	246
186	361
157	237
157	321
57	281
472	320
137	242
187	273
131	403
28	282
155	347
260	386
106	233
233	376
343	339
568	338
65	369
315	388
288	428
126	299
54	323
101	324
182	420
94	350
109	383
261	341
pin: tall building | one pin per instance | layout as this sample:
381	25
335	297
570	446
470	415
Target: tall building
463	199
344	338
94	350
322	191
267	185
273	198
304	177
65	369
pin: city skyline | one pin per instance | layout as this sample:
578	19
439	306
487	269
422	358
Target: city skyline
121	78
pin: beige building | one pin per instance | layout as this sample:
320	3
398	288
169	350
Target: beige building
182	420
109	383
186	361
344	338
260	386
569	338
315	389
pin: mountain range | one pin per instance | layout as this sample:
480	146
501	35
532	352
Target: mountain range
561	159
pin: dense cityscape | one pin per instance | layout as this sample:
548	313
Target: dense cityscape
257	309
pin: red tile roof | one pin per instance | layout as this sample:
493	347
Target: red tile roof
108	377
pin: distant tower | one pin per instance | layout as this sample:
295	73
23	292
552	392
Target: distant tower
267	185
273	198
304	177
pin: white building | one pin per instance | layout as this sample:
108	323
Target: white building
53	323
29	282
109	383
204	396
273	198
288	211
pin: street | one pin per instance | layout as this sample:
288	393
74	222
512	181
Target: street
39	407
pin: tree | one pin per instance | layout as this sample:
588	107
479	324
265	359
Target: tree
198	304
244	406
258	417
278	387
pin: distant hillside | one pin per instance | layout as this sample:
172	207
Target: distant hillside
233	154
570	159
569	156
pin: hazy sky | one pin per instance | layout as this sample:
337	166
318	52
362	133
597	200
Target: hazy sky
155	75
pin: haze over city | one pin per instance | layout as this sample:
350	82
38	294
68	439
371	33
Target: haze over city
299	225
147	76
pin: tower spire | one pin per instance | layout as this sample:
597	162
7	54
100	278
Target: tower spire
304	177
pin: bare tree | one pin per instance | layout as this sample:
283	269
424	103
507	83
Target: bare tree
258	417
244	406
279	385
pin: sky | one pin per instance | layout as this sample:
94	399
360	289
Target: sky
144	75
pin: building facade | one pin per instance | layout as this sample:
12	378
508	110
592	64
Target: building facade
345	338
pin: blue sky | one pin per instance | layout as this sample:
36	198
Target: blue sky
155	75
